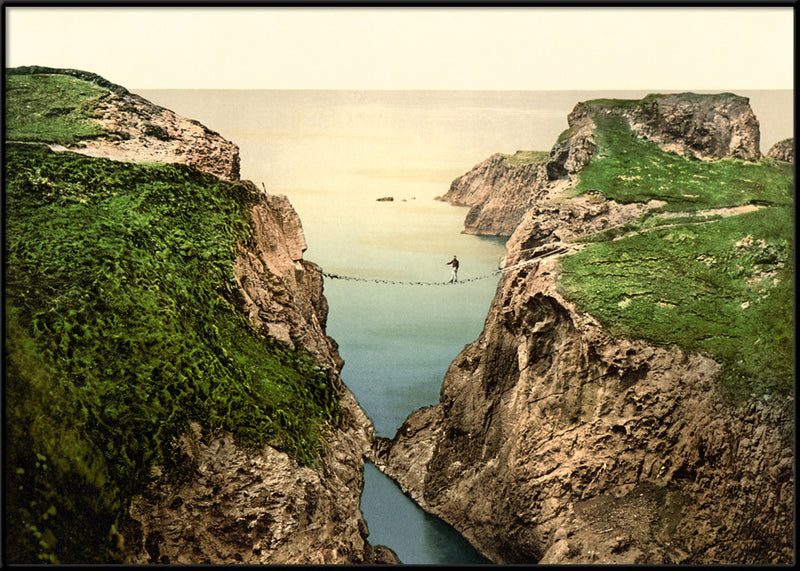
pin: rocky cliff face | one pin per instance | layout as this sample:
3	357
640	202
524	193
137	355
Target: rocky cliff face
555	443
135	130
702	126
142	131
281	293
499	193
782	150
257	508
232	505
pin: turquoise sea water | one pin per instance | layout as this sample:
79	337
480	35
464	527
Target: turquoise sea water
333	153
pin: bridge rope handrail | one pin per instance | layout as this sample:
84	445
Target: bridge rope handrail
457	282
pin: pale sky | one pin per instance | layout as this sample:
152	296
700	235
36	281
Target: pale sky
530	48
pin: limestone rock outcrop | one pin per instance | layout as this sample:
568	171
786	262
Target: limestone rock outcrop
281	293
142	131
555	443
499	193
704	127
137	130
782	150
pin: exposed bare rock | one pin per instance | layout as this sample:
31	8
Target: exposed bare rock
706	127
559	221
573	149
142	131
258	507
555	443
235	506
782	150
282	292
500	193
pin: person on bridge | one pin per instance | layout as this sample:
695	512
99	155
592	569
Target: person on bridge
454	275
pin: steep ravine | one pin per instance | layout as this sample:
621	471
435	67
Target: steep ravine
555	442
241	507
262	508
229	504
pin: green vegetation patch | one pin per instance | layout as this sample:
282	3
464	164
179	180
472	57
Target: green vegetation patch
522	158
709	282
51	108
121	328
628	169
723	287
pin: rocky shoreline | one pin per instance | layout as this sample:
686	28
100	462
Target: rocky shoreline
554	442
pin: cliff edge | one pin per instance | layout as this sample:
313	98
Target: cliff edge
595	419
502	189
174	395
118	124
265	507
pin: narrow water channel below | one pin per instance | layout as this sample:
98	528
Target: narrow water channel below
415	536
333	153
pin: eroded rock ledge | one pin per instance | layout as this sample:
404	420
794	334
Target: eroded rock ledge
500	193
142	131
555	443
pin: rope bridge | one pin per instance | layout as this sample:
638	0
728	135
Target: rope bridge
468	280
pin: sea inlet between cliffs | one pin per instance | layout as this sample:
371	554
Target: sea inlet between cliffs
334	153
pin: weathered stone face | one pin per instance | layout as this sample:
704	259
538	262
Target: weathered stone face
782	151
554	442
142	131
499	194
703	126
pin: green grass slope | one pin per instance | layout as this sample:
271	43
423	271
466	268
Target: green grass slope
51	107
120	329
719	284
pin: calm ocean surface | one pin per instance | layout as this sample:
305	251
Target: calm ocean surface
333	153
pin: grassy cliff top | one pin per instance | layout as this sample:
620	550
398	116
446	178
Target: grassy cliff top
122	327
522	158
54	106
86	76
689	97
711	271
628	169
